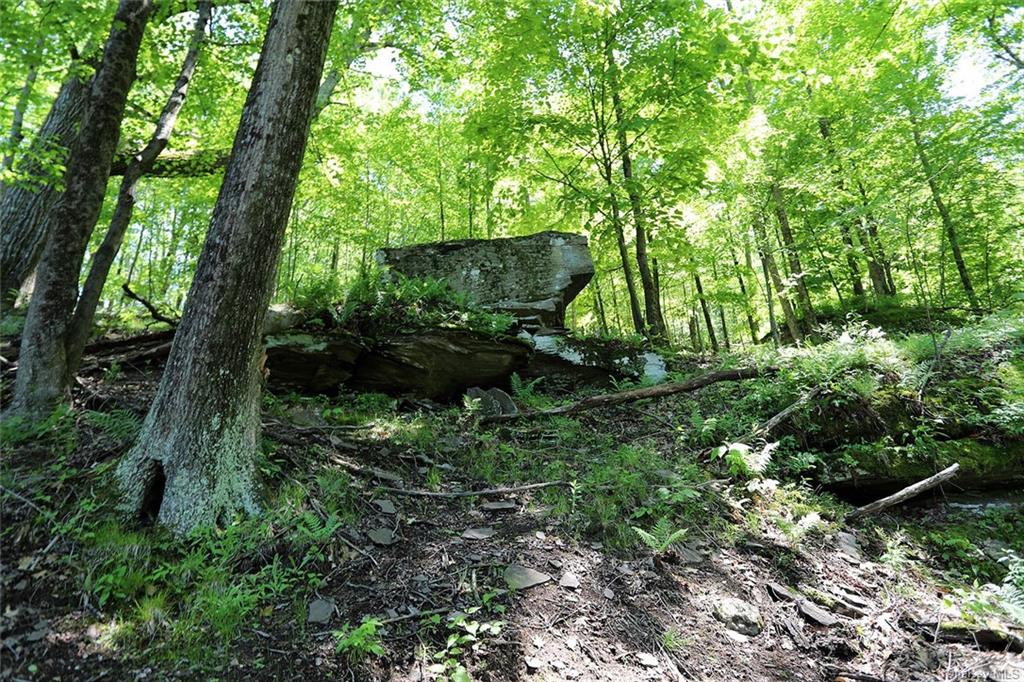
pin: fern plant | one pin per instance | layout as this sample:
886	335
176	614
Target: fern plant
120	425
662	536
1013	585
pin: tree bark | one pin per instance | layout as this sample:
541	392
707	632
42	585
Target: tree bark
652	304
193	464
616	217
44	377
25	208
772	269
103	259
706	310
947	220
803	298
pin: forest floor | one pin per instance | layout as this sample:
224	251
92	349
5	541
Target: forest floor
371	562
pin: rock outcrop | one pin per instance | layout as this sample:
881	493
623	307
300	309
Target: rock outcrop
439	364
532	278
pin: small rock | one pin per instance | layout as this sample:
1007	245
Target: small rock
849	548
815	613
533	664
382	536
687	555
608	593
569	580
521	578
555	563
738	615
501	505
385	506
478	533
647	660
320	611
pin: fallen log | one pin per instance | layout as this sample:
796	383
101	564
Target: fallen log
905	494
659	391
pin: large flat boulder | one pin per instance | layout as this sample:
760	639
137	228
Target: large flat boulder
532	278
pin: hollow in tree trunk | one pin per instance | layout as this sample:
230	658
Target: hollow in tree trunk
193	464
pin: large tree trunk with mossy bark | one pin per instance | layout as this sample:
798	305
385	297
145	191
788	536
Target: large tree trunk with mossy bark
26	207
44	375
193	464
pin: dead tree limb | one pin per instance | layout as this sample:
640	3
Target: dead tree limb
659	391
154	312
905	494
476	493
764	430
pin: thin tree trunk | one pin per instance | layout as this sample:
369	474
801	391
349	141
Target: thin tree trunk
803	298
706	310
44	375
879	267
652	305
947	220
25	210
601	129
746	298
193	464
856	284
103	259
772	268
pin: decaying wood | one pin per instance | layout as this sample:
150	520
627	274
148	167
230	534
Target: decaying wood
906	493
659	391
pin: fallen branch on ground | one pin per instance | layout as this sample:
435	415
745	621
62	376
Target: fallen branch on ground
765	429
476	493
906	493
154	312
659	391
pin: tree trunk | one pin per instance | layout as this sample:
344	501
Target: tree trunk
772	269
947	220
652	304
803	298
44	377
616	218
706	310
25	208
879	267
193	463
747	308
856	284
103	259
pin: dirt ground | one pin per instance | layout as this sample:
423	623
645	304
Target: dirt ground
594	615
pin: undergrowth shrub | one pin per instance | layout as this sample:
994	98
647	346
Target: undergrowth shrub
382	304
